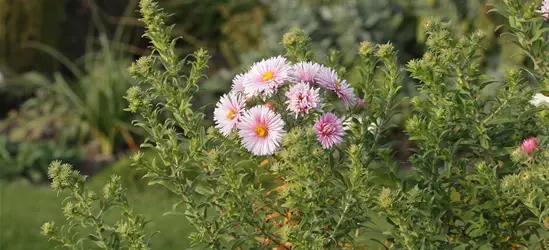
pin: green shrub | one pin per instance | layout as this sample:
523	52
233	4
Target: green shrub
88	112
307	166
30	160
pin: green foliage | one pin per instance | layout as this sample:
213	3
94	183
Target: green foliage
31	159
342	25
88	112
528	32
226	27
469	185
453	197
201	167
85	209
23	21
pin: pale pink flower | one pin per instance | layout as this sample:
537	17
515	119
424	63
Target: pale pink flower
544	9
261	130
329	130
266	77
529	145
228	112
328	79
305	72
238	84
302	98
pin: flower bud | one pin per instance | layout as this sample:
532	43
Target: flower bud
49	229
134	97
366	49
113	189
295	38
385	50
137	157
62	176
413	124
269	105
385	198
481	167
529	145
123	228
477	36
360	103
510	182
519	155
69	210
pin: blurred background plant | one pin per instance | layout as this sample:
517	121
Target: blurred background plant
30	160
88	113
341	25
64	64
81	107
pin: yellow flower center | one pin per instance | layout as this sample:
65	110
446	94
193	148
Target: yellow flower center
338	84
232	114
261	131
267	76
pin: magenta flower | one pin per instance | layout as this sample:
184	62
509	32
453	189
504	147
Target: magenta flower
266	77
238	84
544	9
328	79
228	113
305	72
529	145
302	98
261	130
360	103
329	130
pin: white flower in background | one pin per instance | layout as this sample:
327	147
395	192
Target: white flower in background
373	127
540	100
358	121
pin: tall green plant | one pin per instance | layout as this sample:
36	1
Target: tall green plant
89	111
297	161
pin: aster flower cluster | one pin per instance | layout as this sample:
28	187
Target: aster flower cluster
306	85
460	169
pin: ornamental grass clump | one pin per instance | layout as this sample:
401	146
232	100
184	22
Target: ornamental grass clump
300	158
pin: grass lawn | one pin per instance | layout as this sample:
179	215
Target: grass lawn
24	208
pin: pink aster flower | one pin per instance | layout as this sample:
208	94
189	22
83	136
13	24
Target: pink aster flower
261	130
238	84
529	145
305	72
328	79
544	9
228	112
302	98
329	130
266	77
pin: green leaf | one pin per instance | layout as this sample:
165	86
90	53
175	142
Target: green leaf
173	213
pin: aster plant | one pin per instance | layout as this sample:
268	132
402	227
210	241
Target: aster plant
299	158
